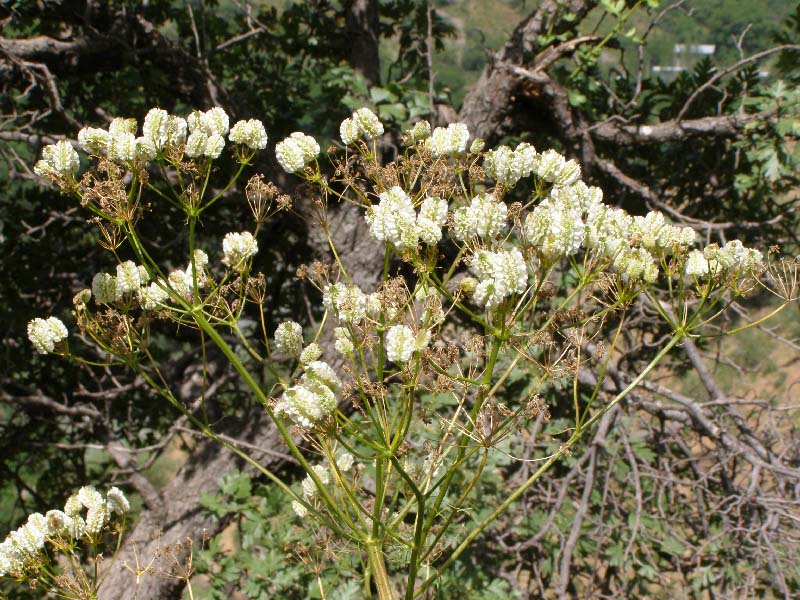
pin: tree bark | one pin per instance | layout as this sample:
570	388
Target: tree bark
362	33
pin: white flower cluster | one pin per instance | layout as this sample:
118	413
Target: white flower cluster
58	161
343	343
21	549
296	151
732	259
131	282
636	263
44	334
555	228
207	131
401	343
507	166
180	281
554	168
251	133
130	277
313	398
485	217
659	237
344	462
420	132
363	124
348	303
289	338
500	275
237	248
310	353
448	140
160	131
394	220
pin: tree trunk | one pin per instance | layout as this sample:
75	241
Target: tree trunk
362	33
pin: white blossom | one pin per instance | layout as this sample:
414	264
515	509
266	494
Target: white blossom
553	167
342	344
120	125
152	296
94	140
420	131
636	264
658	236
500	275
128	279
555	229
214	121
400	343
89	497
214	146
73	506
309	486
44	334
393	219
348	303
368	123
299	509
96	518
145	149
349	132
696	264
182	283
154	127
251	133
117	502
122	147
58	522
310	353
196	144
237	248
58	160
314	398
344	461
607	229
175	132
449	140
508	167
485	217
296	151
289	338
11	559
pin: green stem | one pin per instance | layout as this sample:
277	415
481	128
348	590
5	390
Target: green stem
576	436
377	566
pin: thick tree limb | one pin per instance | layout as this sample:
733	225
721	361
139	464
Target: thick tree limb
489	103
675	130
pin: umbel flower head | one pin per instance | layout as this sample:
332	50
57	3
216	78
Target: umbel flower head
401	343
237	248
59	160
393	219
251	133
508	166
314	398
296	151
44	334
289	338
485	217
448	140
21	551
362	124
500	275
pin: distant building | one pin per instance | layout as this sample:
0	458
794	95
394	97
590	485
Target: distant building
685	57
701	49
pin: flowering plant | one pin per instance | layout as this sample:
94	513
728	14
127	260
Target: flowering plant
50	549
409	399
